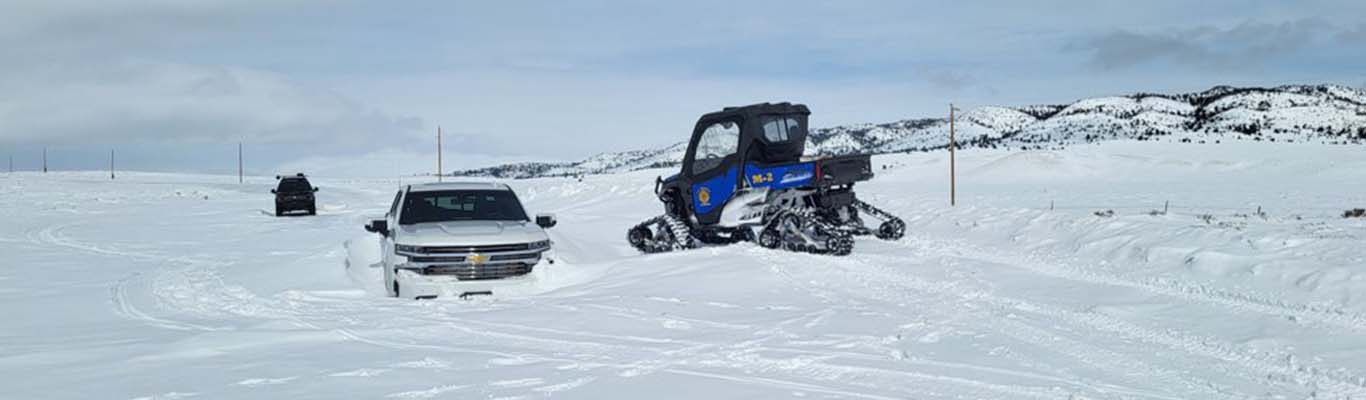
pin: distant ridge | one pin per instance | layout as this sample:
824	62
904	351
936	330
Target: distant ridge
1328	114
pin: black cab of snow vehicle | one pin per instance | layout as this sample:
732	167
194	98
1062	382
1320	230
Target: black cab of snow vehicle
294	193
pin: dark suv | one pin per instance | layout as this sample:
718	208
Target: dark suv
294	194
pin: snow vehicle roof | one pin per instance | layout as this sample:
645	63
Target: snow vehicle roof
759	109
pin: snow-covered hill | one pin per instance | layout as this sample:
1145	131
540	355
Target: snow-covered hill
1021	292
1326	114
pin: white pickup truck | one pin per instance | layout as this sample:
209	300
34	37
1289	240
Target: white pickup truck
459	239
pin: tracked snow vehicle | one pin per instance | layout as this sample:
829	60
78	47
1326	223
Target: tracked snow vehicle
744	171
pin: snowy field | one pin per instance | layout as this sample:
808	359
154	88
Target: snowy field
184	286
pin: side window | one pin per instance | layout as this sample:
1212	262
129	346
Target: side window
393	209
775	130
794	128
718	142
779	129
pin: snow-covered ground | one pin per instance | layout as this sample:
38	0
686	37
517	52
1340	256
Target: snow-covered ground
174	286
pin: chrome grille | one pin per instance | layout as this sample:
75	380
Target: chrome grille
437	259
515	257
479	272
476	249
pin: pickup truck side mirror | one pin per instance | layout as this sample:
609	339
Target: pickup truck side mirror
378	226
315	189
546	220
272	191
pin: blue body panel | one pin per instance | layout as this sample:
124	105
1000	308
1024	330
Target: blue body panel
778	177
714	192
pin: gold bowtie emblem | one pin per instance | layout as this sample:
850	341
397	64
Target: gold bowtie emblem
478	258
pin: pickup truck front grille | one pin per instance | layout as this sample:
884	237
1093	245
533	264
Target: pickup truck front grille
437	259
476	249
515	257
479	272
461	258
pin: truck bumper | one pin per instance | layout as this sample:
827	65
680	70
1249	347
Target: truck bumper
413	285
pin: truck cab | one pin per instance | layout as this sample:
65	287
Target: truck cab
458	239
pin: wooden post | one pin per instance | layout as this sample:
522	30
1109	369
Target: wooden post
11	163
438	153
44	160
953	172
1166	205
239	163
111	164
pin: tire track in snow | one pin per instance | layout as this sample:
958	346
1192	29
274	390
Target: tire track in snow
125	308
118	292
900	297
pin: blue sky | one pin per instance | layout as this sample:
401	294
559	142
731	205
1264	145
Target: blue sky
359	87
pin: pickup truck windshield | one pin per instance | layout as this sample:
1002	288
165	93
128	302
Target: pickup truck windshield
461	205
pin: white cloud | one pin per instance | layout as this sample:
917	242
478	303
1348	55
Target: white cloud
153	102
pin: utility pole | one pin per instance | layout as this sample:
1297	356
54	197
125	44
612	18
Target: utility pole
44	160
438	153
111	164
953	173
239	163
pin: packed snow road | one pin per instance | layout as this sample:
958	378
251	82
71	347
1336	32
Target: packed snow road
175	286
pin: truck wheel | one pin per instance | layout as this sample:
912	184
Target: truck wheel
312	210
278	211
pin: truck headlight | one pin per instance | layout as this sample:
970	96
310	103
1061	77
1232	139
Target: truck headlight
544	244
403	248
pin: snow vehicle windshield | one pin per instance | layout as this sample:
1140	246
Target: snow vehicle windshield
461	205
294	185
